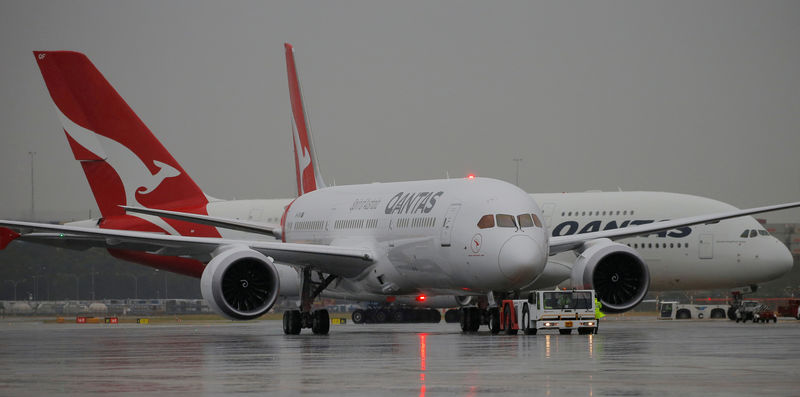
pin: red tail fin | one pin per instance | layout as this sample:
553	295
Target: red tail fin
305	158
123	162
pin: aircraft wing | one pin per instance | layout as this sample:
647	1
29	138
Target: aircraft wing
575	241
233	224
343	261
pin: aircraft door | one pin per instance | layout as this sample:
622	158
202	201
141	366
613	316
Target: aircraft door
447	225
706	246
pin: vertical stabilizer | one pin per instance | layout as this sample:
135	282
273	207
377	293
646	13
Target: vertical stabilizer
123	161
305	157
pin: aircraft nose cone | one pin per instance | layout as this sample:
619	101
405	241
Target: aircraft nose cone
780	260
521	259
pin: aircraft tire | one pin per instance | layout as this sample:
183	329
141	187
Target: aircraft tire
291	322
452	315
320	322
398	316
358	316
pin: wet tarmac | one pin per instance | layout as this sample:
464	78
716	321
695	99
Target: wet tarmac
627	358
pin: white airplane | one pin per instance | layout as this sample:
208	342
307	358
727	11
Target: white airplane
455	237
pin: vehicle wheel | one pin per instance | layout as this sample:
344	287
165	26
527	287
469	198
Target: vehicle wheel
291	322
774	319
718	313
585	331
397	316
494	321
565	331
732	314
683	314
381	316
526	321
320	322
358	316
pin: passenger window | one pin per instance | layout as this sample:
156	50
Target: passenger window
753	233
745	233
536	220
504	220
525	220
486	222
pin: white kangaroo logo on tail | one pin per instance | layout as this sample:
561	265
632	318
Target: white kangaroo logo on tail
135	175
303	158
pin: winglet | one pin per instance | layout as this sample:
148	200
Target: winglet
6	237
305	157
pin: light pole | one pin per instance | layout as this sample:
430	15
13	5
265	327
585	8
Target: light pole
33	212
517	160
135	284
92	274
14	283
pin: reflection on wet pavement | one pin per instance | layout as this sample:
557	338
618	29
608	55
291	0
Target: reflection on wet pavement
632	358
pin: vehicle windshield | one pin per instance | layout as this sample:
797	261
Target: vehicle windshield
558	300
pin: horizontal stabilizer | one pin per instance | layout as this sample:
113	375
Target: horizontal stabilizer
6	237
232	224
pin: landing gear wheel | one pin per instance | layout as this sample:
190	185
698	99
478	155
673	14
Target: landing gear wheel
494	321
320	322
381	316
565	331
291	322
470	319
358	316
434	316
397	316
452	316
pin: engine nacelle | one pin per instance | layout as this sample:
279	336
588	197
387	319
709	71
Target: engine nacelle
240	284
615	271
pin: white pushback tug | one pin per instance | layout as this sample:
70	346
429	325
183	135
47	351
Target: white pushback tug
562	310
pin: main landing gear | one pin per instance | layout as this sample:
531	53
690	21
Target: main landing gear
318	320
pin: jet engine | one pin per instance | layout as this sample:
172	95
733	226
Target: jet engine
240	284
615	271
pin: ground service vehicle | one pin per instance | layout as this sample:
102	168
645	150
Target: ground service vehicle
672	310
562	310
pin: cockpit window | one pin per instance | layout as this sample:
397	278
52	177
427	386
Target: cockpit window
763	233
525	220
536	220
486	222
504	220
753	233
745	234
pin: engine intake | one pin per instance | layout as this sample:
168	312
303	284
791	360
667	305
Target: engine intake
615	271
240	284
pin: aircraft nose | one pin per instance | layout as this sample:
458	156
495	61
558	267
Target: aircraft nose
521	259
779	260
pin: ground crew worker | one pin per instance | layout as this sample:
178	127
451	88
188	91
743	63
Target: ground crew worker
598	313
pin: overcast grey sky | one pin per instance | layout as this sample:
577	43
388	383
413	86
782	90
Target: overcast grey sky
698	97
